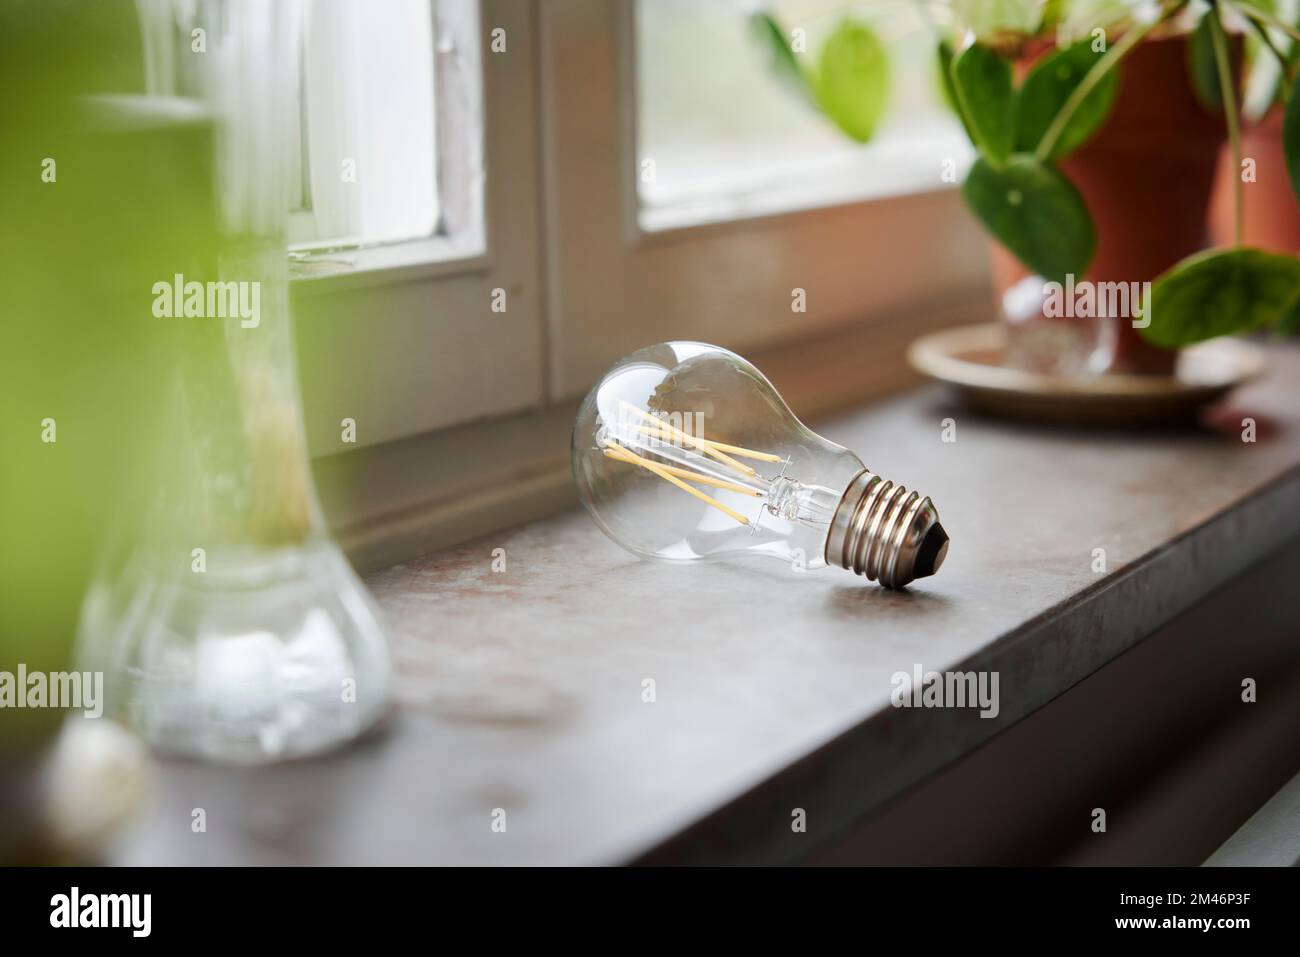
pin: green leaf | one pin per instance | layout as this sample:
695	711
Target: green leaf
1201	66
1262	88
1220	292
853	79
1047	87
1081	17
1035	212
989	19
1289	322
1054	13
982	81
948	89
785	64
1291	137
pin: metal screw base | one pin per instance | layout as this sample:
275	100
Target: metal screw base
883	531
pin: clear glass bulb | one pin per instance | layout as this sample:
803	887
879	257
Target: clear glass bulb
685	452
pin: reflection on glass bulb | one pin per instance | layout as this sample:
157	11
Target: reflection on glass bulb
685	452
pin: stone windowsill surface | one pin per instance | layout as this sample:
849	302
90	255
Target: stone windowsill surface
522	690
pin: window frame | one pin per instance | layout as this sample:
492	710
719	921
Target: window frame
463	414
404	339
459	241
929	249
735	209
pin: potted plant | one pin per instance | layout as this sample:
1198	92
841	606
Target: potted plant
1094	156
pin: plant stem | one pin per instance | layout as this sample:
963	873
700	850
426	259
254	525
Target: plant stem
1282	63
1090	80
1229	95
1264	16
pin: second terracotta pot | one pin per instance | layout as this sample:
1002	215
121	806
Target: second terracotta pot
1270	215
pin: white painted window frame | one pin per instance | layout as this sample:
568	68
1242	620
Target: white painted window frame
402	338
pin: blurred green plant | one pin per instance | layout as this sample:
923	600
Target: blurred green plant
79	233
1015	187
849	82
852	83
1272	58
95	213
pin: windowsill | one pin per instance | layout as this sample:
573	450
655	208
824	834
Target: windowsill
404	498
522	689
328	272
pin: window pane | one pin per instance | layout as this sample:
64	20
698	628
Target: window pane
368	169
728	139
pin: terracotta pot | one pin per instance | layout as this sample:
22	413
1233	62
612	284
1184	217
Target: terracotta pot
1270	215
1146	176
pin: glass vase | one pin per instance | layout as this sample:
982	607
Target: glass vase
227	622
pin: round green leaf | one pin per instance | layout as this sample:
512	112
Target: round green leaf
1035	212
1291	137
1220	292
853	79
982	81
1047	87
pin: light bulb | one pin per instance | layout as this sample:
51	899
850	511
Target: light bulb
685	452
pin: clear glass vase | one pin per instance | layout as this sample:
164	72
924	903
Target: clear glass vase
227	622
1060	346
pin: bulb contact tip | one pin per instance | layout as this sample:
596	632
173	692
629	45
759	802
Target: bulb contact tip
884	532
933	550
